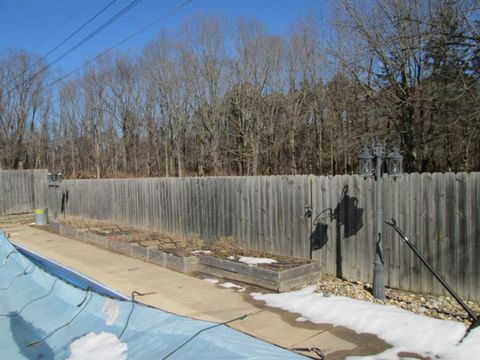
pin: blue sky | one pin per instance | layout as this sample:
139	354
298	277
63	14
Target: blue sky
39	25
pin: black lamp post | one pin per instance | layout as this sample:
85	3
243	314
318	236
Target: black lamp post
395	169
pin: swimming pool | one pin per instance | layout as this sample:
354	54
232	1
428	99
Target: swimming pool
56	316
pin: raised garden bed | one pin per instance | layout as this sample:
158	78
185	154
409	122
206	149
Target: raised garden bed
223	260
181	263
268	278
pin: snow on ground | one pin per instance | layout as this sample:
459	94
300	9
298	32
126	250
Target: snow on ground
254	260
201	252
230	285
103	346
404	330
211	281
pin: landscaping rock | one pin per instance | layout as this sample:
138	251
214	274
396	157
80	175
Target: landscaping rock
440	307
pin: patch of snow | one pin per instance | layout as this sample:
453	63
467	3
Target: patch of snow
404	330
201	252
103	346
231	258
254	260
111	310
230	285
211	281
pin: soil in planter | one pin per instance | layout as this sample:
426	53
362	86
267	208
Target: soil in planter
225	250
164	241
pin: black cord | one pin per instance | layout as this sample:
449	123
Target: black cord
69	322
317	351
4	262
134	293
32	301
24	272
206	329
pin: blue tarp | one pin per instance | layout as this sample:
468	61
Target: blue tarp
41	315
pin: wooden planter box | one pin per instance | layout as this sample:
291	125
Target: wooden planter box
184	264
280	281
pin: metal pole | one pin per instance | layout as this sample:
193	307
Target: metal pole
378	271
412	246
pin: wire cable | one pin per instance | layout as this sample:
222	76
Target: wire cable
91	35
73	34
84	301
29	67
24	273
59	26
134	293
160	18
95	32
206	329
5	259
16	313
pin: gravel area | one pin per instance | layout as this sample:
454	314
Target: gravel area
440	307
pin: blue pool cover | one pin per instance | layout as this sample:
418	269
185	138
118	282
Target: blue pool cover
41	315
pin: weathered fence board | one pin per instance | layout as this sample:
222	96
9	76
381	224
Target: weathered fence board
439	212
22	190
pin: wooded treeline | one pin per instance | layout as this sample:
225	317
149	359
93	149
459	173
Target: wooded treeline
213	98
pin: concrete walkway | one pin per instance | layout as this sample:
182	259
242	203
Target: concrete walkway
192	296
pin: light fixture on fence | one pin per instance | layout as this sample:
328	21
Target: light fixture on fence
371	165
365	162
395	162
54	178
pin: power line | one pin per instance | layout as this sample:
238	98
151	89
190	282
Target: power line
59	26
95	32
44	57
160	18
80	28
110	21
12	82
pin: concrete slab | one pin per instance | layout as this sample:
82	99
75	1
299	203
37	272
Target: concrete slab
192	296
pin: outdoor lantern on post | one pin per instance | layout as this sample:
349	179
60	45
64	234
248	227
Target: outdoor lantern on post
367	162
54	179
395	163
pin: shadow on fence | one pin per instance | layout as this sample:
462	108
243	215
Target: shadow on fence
346	213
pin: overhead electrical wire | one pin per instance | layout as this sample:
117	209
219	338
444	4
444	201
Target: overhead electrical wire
92	34
59	26
95	32
103	53
44	57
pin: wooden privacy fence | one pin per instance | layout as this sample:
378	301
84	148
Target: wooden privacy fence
22	190
439	212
